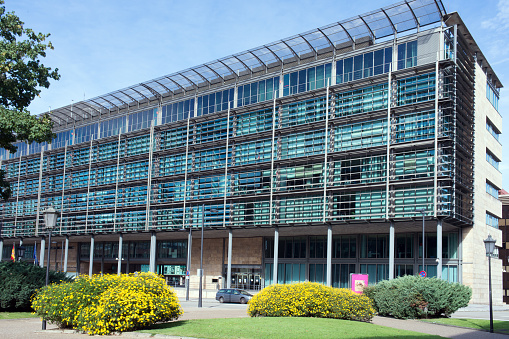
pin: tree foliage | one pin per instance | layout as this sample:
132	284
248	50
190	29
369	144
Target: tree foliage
22	75
19	281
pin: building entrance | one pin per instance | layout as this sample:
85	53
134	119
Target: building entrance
246	278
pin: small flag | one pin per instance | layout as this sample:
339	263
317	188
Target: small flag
13	253
35	254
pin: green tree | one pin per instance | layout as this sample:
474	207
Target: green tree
20	280
22	75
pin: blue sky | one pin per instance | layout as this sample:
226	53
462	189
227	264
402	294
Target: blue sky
102	46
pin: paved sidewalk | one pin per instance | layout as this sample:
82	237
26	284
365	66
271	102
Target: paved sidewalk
436	329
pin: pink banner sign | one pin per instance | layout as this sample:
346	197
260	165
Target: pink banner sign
358	282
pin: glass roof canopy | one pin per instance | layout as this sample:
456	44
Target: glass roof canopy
384	22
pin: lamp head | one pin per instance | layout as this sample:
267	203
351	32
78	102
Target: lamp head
489	243
50	217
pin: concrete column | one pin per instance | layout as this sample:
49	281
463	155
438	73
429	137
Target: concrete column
119	265
41	251
329	256
439	249
276	252
152	265
229	271
66	253
1	248
391	250
91	264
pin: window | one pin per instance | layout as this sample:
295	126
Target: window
492	129
492	159
175	112
407	55
491	190
363	65
307	79
492	94
214	102
491	220
256	92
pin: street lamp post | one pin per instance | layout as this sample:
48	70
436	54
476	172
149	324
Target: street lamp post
50	220
489	243
188	264
200	290
423	211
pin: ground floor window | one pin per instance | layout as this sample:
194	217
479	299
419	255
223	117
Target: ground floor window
340	274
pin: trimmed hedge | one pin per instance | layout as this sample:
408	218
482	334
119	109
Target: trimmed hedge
19	281
416	297
310	300
109	303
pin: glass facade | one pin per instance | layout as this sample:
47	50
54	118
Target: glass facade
352	139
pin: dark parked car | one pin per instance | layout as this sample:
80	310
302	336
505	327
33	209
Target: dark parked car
233	295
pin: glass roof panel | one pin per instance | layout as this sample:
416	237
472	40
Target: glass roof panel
265	55
191	75
168	83
234	64
281	50
401	17
426	11
131	93
143	90
157	86
299	45
336	34
317	40
356	28
219	68
178	78
109	101
249	59
379	24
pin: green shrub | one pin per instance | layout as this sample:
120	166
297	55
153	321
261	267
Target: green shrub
19	281
310	300
109	303
416	297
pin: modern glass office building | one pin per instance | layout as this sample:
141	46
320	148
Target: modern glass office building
306	159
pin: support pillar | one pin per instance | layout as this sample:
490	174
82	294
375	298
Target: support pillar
329	256
91	264
391	250
439	249
276	253
229	270
152	265
1	248
66	253
41	252
119	264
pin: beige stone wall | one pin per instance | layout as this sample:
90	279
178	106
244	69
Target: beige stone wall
245	251
475	262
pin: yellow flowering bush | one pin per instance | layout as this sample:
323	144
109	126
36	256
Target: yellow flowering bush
109	303
310	300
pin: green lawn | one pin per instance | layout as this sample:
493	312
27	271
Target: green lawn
16	315
279	328
478	324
